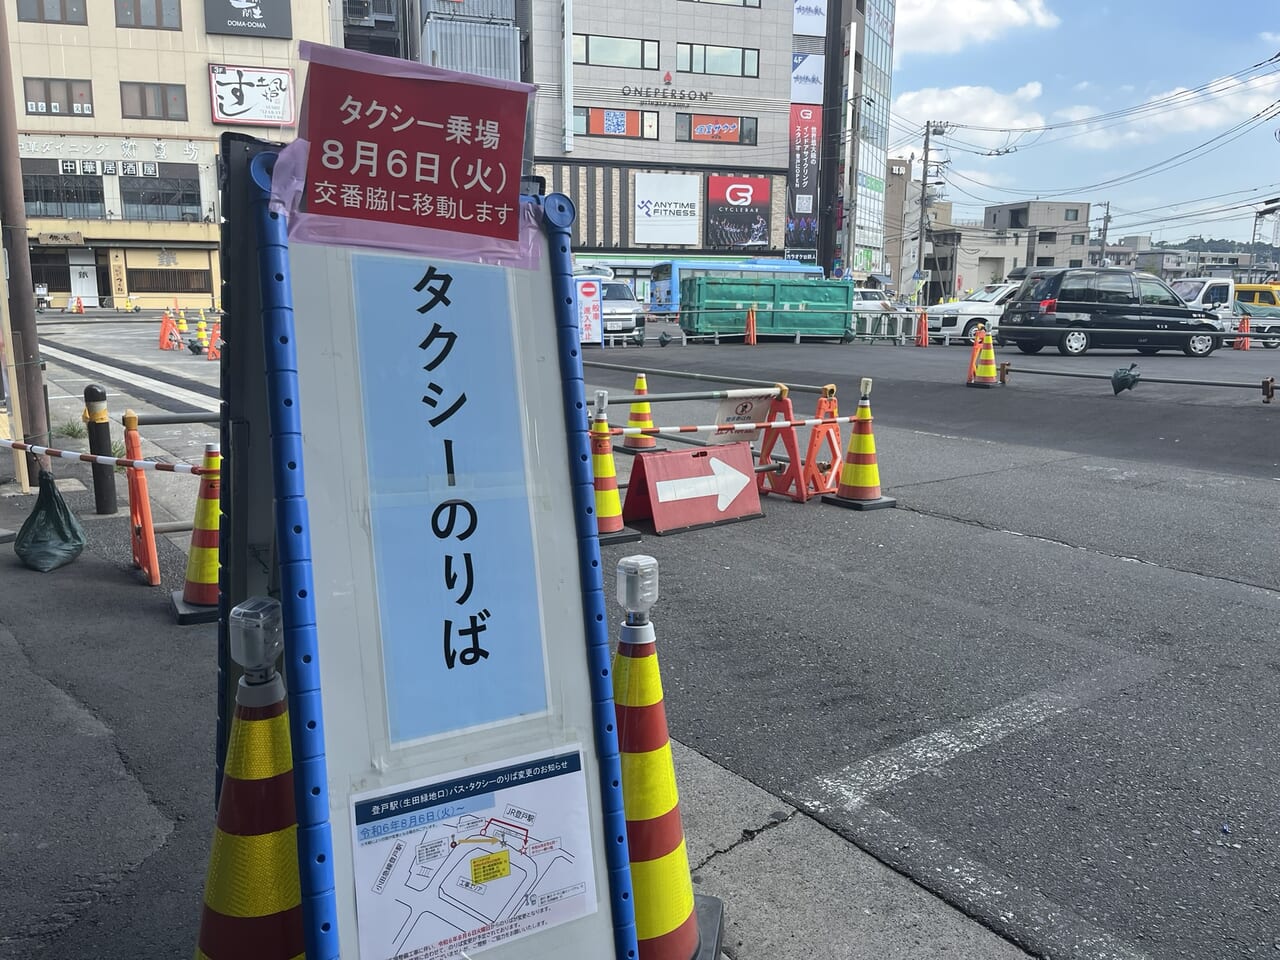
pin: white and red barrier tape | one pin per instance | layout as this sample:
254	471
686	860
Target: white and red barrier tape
728	427
105	461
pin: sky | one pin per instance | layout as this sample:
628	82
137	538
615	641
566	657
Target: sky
1207	124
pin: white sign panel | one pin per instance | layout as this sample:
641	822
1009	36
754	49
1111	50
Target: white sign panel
590	308
667	208
451	866
810	18
255	96
741	410
807	75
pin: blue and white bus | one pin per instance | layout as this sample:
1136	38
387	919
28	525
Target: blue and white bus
664	281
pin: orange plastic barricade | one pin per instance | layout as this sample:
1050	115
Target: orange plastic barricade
141	533
790	482
824	447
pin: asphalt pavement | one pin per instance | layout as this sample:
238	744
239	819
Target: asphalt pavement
1030	706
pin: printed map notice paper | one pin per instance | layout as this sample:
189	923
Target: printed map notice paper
481	857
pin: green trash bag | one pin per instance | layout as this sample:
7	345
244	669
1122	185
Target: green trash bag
52	536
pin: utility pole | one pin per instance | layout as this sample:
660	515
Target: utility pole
1106	221
929	128
22	304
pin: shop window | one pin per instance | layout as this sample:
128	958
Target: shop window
48	95
713	128
160	198
720	61
52	11
611	122
50	268
599	51
153	101
149	14
69	197
170	281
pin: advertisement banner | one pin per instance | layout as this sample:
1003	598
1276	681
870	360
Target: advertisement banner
415	151
590	308
666	208
249	18
708	128
259	96
810	18
805	136
738	211
808	71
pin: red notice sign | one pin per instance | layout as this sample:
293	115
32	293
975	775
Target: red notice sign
414	151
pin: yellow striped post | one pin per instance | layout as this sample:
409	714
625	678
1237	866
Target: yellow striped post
252	895
641	415
605	472
201	587
666	922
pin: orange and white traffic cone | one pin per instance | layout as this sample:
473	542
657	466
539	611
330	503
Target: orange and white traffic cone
859	487
142	534
252	894
197	601
983	371
750	337
609	526
1242	343
922	329
640	416
665	909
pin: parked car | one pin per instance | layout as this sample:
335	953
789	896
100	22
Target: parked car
961	319
1104	307
621	311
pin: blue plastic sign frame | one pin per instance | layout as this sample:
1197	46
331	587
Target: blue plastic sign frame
319	771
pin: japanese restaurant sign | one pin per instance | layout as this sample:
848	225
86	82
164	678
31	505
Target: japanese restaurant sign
414	151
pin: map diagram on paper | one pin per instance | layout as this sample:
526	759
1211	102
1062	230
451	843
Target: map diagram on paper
483	857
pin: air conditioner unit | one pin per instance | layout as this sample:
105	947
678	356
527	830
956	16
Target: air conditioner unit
357	11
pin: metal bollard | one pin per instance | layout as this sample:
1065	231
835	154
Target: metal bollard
98	424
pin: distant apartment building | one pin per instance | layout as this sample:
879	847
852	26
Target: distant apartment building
1050	233
119	107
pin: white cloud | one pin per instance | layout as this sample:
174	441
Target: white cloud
1081	86
1269	36
946	26
979	106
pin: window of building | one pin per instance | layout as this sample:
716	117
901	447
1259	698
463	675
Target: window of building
1047	236
713	128
153	101
611	122
1044	261
169	281
45	95
160	198
56	195
50	268
721	61
149	14
1077	239
1075	263
1071	214
730	3
599	51
51	11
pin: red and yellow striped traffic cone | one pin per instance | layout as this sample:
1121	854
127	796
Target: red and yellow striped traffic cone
641	416
252	894
859	486
984	372
666	921
609	527
197	601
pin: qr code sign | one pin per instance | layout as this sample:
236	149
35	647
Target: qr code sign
615	122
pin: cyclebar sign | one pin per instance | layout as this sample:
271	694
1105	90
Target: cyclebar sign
663	96
738	212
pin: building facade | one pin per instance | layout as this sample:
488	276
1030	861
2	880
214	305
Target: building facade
673	125
866	96
1051	233
119	109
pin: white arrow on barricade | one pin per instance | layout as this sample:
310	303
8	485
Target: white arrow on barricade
725	483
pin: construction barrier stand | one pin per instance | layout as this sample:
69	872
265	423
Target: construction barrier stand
824	458
789	482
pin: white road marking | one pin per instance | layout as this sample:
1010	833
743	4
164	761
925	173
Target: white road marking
197	400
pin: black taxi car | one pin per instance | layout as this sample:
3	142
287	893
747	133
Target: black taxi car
1078	308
